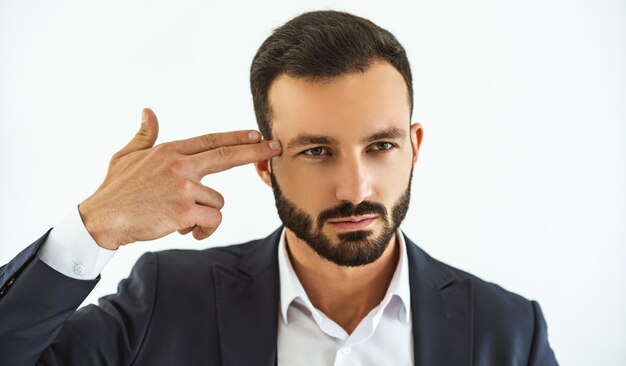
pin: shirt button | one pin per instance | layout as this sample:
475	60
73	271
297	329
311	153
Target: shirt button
346	351
78	269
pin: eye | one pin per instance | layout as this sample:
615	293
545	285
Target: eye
315	152
383	145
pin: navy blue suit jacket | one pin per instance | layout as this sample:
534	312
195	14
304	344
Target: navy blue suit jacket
220	306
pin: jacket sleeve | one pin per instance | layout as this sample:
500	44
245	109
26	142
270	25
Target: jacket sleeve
540	353
112	332
35	300
39	320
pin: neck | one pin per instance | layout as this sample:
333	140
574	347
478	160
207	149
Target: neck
345	294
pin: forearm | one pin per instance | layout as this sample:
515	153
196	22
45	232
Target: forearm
34	306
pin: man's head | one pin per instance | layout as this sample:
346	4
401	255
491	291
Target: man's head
336	91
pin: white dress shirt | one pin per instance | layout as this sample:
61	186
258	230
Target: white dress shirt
71	250
306	336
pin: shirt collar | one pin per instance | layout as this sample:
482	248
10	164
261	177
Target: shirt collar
291	288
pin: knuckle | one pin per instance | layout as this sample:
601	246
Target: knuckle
213	219
210	140
163	148
225	152
218	218
179	165
220	201
187	188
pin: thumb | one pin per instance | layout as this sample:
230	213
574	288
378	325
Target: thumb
145	137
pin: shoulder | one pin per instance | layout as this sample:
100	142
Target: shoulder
191	260
228	254
487	294
173	276
248	257
439	274
502	323
497	312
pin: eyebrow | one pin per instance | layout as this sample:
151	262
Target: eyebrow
391	133
307	139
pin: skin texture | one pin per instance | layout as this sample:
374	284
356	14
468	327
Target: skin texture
151	191
345	140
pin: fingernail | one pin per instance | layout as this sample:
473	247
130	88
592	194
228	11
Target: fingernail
274	145
253	135
144	118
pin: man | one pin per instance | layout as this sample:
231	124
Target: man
339	284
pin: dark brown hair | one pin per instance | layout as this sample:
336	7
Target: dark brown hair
318	46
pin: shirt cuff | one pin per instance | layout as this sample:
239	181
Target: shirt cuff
70	249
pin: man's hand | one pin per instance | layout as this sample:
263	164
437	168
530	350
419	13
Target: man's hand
150	192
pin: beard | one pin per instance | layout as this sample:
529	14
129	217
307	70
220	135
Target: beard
355	248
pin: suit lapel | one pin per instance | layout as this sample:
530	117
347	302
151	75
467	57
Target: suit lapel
442	312
247	306
248	303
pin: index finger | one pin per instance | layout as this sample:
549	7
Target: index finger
212	141
227	157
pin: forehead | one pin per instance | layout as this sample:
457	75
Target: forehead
350	105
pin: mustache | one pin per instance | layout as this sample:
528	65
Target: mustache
347	209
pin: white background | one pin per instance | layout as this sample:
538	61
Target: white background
522	173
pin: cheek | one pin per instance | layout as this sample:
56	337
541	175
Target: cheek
389	174
307	186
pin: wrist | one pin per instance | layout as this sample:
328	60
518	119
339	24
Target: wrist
97	228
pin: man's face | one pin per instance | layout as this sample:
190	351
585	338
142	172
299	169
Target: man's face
342	183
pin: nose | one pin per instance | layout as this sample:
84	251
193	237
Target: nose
353	182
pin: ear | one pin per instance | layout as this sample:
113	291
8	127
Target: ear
264	169
416	134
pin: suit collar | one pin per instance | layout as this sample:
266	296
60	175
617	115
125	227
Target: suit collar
442	311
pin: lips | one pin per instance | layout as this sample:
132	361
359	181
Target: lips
353	222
